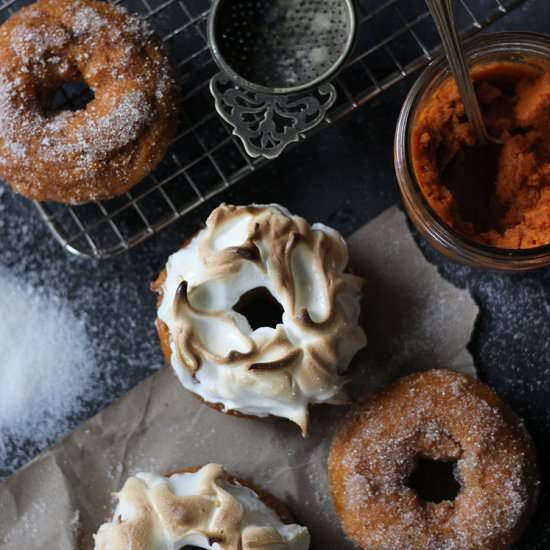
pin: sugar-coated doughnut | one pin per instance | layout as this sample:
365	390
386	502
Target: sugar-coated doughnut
443	416
107	147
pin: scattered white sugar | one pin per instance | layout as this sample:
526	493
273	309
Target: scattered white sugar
321	22
47	365
135	25
108	300
34	42
319	55
87	20
27	526
74	524
8	113
115	129
523	318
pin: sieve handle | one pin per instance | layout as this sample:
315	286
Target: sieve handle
268	123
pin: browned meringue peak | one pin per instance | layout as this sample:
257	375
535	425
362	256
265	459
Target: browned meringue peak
207	508
268	371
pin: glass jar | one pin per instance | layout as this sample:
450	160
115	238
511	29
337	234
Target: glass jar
517	47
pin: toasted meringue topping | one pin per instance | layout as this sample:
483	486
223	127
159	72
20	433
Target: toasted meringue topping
268	371
206	509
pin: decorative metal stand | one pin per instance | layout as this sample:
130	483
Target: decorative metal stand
268	123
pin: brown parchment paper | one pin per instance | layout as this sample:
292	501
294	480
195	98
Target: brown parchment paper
414	320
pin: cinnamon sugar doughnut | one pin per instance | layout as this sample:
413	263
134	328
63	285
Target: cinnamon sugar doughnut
104	149
200	507
443	416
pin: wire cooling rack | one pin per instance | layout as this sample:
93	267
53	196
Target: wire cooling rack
396	37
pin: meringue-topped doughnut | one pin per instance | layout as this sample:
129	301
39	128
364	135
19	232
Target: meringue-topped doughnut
99	151
261	371
205	508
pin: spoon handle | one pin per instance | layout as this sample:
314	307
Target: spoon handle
443	16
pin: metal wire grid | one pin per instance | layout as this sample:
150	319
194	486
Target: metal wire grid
396	37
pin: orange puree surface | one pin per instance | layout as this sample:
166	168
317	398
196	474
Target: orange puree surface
498	196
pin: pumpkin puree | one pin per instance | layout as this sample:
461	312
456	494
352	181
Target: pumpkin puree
499	196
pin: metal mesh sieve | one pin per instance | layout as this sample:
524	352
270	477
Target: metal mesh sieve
281	46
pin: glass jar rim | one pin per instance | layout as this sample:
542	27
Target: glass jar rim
482	45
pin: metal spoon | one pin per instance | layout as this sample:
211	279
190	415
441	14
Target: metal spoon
443	16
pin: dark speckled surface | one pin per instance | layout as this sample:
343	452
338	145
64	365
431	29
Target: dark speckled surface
344	177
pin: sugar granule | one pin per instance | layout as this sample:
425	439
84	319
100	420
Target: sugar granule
47	365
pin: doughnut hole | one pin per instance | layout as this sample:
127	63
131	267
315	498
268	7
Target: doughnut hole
260	308
434	480
61	86
71	95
